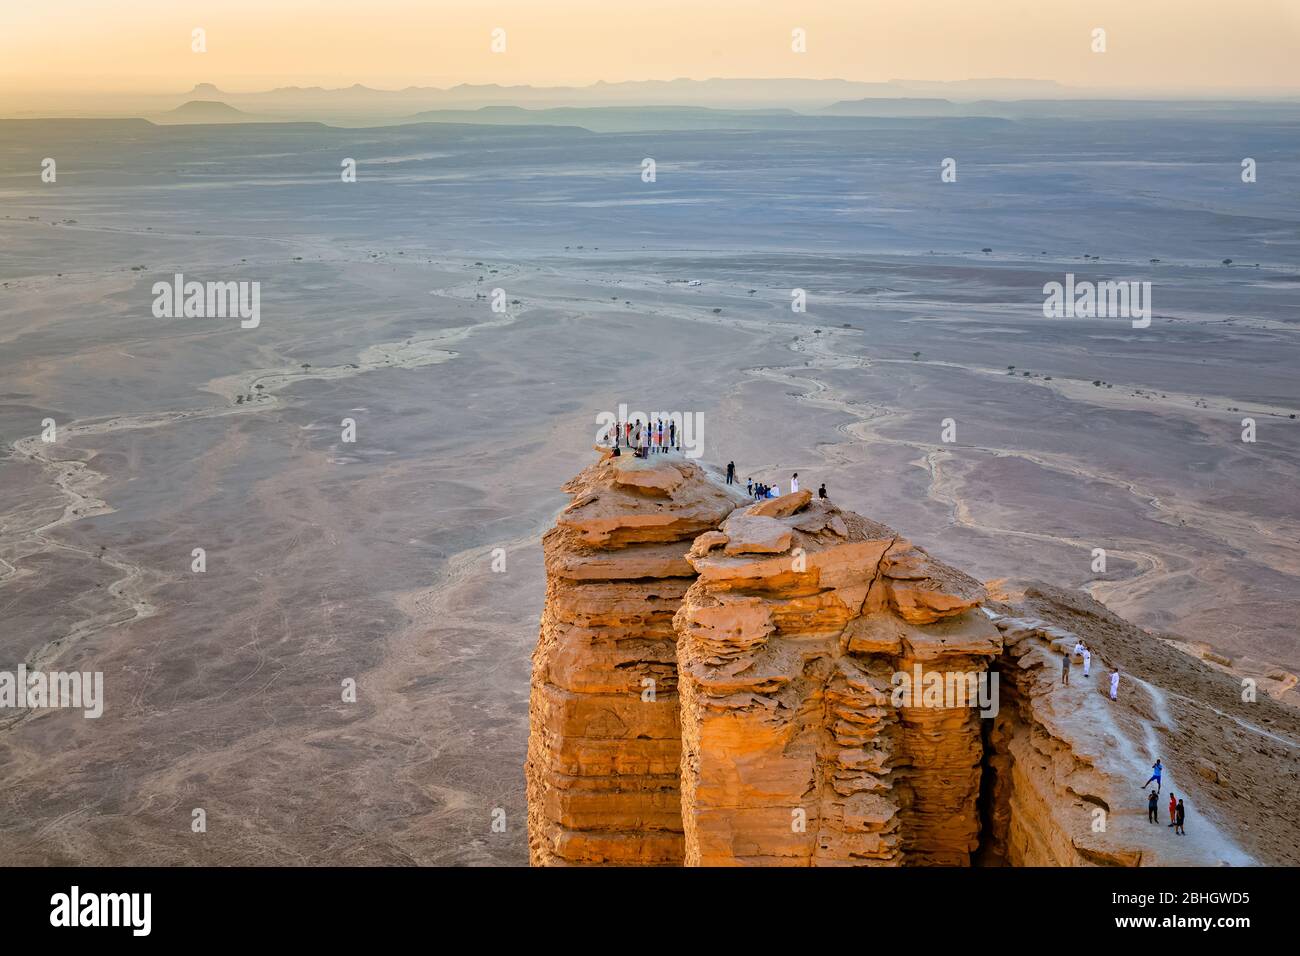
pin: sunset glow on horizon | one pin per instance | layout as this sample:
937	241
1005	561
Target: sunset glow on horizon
1167	46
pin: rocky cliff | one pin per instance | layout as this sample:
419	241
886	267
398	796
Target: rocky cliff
792	752
719	681
604	749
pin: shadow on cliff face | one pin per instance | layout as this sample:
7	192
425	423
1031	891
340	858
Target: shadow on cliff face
716	681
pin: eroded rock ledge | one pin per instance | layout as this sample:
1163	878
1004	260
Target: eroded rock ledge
787	641
714	684
604	749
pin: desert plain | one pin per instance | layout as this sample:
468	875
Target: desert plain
408	560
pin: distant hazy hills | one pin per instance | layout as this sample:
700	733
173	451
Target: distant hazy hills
759	103
362	105
758	93
204	111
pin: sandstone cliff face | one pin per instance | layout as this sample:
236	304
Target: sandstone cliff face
716	682
1064	762
604	747
793	753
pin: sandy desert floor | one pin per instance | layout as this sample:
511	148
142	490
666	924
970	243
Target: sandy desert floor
380	560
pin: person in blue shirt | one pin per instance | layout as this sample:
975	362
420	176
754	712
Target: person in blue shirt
1156	770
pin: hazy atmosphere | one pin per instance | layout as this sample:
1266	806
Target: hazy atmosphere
447	263
144	46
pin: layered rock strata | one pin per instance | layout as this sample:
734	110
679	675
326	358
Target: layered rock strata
719	681
605	743
794	751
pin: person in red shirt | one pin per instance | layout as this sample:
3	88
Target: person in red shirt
1173	808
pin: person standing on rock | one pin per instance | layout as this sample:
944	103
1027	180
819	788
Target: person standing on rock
1153	815
1065	667
731	472
1114	684
1087	660
1173	809
821	492
1182	815
672	434
794	484
749	487
1156	770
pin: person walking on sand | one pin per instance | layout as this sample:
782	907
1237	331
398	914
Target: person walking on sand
1065	668
794	484
1153	815
821	492
1173	809
1156	770
1182	815
731	472
1114	684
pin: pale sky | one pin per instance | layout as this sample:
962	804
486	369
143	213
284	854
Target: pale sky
144	45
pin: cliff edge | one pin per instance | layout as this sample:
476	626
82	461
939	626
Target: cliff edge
720	681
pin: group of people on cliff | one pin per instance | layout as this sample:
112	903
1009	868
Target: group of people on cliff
657	437
1082	650
758	489
1177	812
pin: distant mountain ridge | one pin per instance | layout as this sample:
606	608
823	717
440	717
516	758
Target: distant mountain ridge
205	111
360	105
